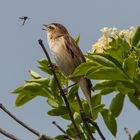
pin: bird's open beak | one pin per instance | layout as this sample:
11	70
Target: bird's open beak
45	27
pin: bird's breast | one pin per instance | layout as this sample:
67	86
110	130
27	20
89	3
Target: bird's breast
62	57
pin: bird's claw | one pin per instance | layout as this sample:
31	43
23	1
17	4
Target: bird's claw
52	66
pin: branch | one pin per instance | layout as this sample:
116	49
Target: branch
82	113
59	127
65	89
96	126
61	90
128	133
7	134
19	121
87	119
62	130
38	134
44	137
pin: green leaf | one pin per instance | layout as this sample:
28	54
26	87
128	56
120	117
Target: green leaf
74	106
117	104
107	73
106	91
77	117
114	84
119	48
62	110
138	45
44	66
22	99
137	50
110	68
72	93
104	84
137	83
109	121
86	108
54	87
137	136
43	92
84	68
71	132
42	81
105	60
96	110
96	100
34	74
37	89
134	100
136	36
52	103
55	91
102	60
32	87
60	137
18	90
77	40
130	66
66	117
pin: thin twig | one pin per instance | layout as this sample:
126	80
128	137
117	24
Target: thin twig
44	137
65	89
96	126
128	133
82	113
19	121
61	90
38	134
8	135
62	130
59	127
72	85
86	125
89	120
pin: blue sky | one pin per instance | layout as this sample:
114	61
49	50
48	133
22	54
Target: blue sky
19	52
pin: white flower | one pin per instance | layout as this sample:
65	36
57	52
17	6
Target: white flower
114	31
104	30
103	43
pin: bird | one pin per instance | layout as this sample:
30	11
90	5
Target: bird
24	18
67	55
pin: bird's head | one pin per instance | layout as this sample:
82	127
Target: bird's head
55	30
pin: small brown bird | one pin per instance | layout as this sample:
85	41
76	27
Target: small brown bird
24	18
67	55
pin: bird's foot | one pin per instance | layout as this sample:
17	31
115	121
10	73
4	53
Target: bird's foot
52	66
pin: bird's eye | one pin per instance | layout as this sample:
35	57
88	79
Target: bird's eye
51	27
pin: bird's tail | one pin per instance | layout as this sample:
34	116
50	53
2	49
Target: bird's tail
85	85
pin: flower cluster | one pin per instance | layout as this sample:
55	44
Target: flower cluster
103	42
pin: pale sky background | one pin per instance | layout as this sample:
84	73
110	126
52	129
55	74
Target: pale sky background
19	52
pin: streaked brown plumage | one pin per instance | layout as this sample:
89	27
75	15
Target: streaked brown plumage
67	55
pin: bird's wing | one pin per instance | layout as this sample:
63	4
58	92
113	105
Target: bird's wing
75	53
74	50
78	58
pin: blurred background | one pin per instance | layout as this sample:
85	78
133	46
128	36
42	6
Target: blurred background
19	52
